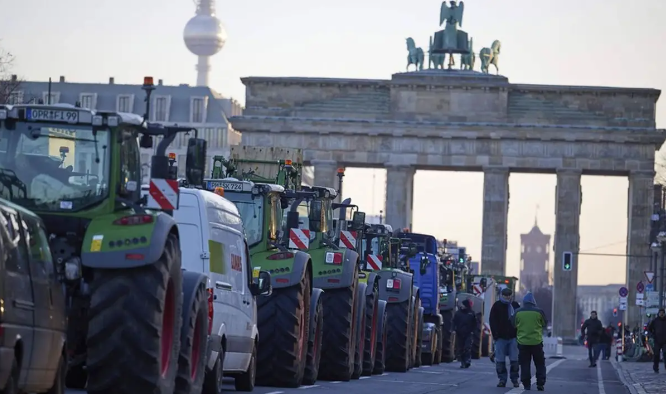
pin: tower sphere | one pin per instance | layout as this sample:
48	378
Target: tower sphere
204	35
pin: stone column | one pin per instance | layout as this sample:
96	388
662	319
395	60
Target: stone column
640	209
399	195
495	220
568	198
325	173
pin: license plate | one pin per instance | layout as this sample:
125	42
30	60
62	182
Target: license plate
389	283
52	115
237	187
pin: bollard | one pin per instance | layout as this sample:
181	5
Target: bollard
618	351
560	348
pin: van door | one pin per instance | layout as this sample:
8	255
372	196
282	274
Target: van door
43	298
17	319
190	219
249	301
225	302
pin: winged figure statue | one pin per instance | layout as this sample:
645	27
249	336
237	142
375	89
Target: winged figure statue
453	14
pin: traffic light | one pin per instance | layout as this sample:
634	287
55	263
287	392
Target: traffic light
614	312
567	261
462	255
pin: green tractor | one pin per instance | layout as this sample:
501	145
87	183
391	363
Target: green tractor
371	321
289	318
137	322
387	256
334	270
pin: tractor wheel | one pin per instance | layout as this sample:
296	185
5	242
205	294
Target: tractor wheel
485	346
134	326
429	358
339	342
398	354
476	339
284	319
438	346
382	340
194	340
76	378
370	347
314	348
419	339
360	332
448	338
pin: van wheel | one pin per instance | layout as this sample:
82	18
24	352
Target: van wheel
76	378
194	340
134	326
59	381
245	381
11	387
213	379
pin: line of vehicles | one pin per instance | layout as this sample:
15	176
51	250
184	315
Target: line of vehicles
171	286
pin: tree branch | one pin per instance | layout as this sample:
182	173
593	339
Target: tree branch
8	83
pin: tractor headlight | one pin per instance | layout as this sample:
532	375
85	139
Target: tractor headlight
112	121
3	114
97	120
73	269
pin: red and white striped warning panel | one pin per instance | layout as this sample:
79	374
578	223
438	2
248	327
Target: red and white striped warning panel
477	289
299	239
347	239
374	262
163	194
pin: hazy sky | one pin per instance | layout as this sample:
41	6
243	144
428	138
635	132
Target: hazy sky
567	42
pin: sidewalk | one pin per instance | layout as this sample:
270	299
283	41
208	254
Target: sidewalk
640	378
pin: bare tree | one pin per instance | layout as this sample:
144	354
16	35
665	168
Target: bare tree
8	83
660	167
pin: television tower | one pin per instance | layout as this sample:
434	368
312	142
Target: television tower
204	36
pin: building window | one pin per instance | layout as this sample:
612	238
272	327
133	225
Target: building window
125	103
88	100
54	98
15	98
161	109
198	110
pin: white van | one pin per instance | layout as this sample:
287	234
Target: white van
213	242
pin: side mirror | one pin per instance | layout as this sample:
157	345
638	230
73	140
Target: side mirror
292	220
424	264
284	203
195	161
263	287
358	221
64	149
413	251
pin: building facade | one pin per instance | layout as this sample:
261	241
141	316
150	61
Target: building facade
534	259
197	106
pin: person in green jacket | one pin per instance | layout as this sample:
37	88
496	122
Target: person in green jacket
530	321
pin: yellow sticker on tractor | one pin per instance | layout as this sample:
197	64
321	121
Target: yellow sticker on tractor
96	244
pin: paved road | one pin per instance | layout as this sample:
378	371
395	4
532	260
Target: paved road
565	376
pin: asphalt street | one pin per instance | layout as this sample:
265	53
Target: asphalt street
565	376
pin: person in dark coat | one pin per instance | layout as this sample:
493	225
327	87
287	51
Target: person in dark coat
594	330
504	335
465	326
657	328
530	321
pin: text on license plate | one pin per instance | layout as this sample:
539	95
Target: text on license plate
54	115
226	186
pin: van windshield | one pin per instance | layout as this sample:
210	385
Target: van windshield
252	213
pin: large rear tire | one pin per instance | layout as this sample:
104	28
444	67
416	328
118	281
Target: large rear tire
284	318
194	340
448	338
382	340
371	321
339	342
134	326
476	339
398	355
419	339
360	332
314	348
485	346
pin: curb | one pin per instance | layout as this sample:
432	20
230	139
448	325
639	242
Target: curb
625	378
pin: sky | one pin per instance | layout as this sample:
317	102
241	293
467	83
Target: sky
563	42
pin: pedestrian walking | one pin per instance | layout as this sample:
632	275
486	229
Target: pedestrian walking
657	328
465	326
594	330
504	335
608	342
530	322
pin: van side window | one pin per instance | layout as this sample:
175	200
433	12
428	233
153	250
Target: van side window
39	251
13	250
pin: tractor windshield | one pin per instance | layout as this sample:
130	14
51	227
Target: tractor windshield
374	246
49	167
252	213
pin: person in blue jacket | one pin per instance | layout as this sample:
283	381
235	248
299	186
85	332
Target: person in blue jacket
465	326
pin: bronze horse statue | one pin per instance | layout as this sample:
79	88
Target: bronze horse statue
415	56
490	56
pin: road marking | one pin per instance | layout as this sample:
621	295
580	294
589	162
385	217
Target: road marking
600	380
384	374
436	373
365	377
275	392
412	382
337	381
425	366
548	369
308	387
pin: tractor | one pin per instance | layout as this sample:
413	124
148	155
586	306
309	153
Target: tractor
137	322
287	319
427	279
385	254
